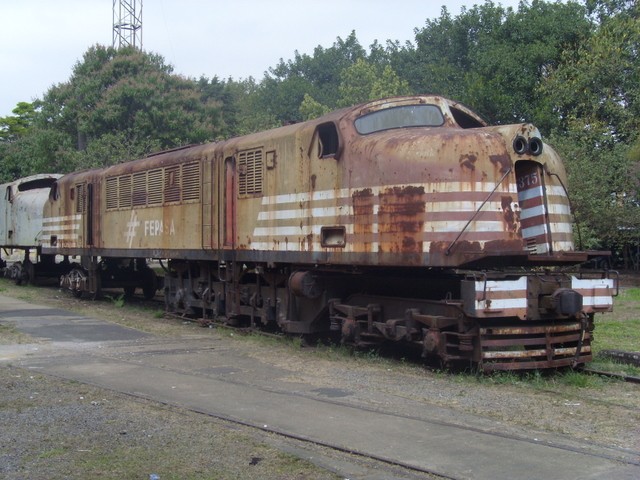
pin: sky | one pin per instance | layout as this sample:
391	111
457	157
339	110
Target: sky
42	40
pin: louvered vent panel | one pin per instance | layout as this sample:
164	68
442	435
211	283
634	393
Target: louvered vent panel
191	181
251	172
124	191
112	193
139	189
154	187
80	197
172	184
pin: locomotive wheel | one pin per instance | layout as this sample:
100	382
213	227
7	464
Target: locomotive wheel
76	279
28	272
17	273
150	286
129	291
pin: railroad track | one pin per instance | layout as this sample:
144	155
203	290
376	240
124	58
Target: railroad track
589	371
619	376
158	301
420	416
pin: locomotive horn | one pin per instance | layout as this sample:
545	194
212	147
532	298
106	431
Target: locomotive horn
535	146
520	145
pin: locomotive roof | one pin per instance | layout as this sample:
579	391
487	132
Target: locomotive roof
39	180
455	114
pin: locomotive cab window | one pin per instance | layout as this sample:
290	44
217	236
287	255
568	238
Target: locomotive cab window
35	184
400	117
328	140
464	119
8	196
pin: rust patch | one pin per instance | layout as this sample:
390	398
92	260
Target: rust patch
410	227
468	161
306	243
503	160
440	255
365	192
362	202
515	245
401	215
510	217
408	244
407	190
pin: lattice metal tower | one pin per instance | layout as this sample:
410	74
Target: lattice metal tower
127	23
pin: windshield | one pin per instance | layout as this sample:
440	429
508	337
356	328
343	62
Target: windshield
399	117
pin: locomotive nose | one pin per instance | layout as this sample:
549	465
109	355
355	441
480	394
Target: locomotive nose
563	301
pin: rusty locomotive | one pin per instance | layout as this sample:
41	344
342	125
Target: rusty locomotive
407	219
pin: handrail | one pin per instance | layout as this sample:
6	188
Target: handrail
448	251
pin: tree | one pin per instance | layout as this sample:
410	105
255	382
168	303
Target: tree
364	81
41	151
596	94
356	83
243	111
118	105
283	89
359	83
494	58
17	125
310	108
598	84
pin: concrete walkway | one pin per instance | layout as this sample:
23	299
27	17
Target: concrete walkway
207	376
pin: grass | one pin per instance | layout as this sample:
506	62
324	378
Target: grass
620	330
116	300
617	330
542	381
10	335
60	433
605	365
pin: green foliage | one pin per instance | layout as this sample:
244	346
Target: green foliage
493	58
42	150
359	83
284	88
616	334
596	87
595	92
364	81
17	125
118	301
356	83
619	330
603	183
575	379
389	84
117	106
310	108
